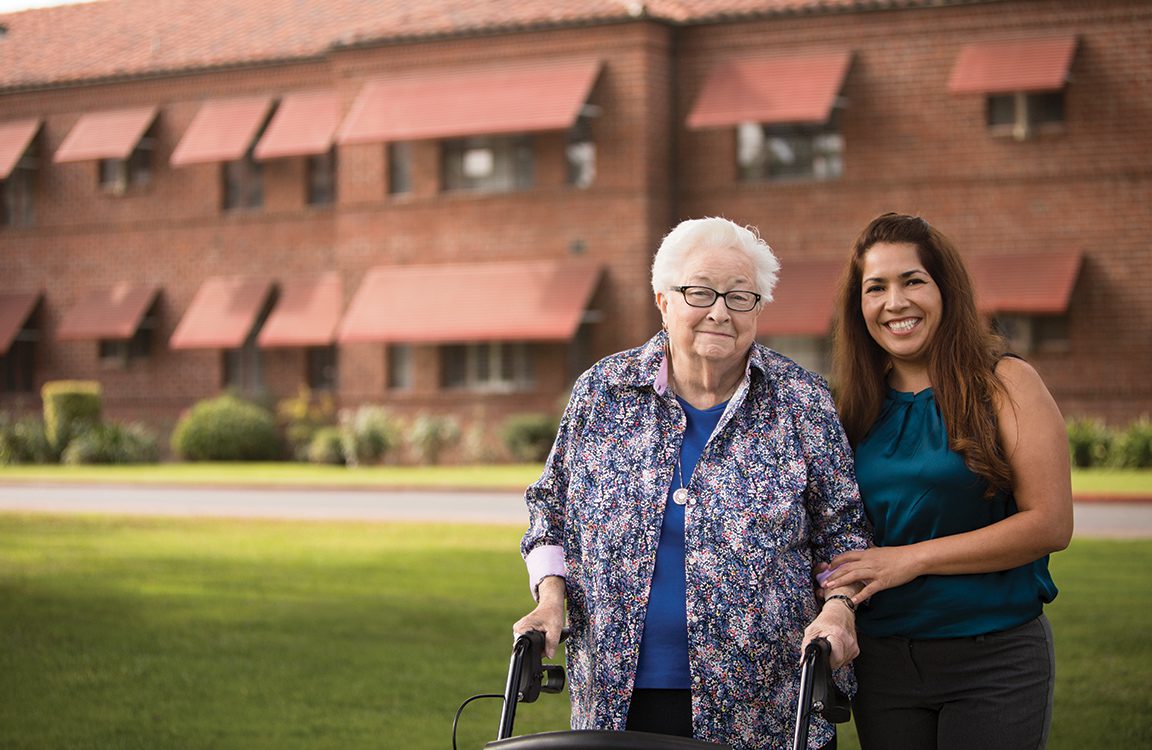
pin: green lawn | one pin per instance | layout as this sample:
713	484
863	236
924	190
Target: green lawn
166	633
512	476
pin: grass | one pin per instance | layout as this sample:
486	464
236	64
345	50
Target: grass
285	474
123	633
1086	482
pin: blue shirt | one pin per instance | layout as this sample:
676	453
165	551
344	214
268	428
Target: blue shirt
916	488
664	644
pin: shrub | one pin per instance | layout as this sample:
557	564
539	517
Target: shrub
369	433
326	446
24	442
1089	441
70	407
113	444
430	436
226	428
302	416
1132	448
529	437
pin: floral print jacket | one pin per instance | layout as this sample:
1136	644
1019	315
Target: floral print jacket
776	494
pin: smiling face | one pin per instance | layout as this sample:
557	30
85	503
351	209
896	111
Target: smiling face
714	335
900	302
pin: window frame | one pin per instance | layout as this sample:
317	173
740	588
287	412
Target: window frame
18	190
481	367
1027	107
513	164
808	134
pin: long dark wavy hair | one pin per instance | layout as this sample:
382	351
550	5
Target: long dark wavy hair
962	354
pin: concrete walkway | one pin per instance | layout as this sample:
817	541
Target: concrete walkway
1093	519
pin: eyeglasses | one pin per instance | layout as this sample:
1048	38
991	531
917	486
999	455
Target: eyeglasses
736	300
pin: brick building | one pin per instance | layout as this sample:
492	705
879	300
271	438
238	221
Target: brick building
452	206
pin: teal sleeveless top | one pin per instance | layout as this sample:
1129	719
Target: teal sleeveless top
915	488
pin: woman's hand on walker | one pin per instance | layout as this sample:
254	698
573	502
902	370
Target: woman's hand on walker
548	617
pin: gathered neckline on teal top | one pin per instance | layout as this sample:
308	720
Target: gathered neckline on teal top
896	395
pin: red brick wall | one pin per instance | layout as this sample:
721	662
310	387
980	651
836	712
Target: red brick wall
913	147
910	146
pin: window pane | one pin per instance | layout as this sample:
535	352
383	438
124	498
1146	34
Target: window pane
322	179
243	183
498	164
1046	107
399	168
321	367
400	366
17	195
1001	109
453	366
581	154
19	367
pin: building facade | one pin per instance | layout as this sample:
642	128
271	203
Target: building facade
455	211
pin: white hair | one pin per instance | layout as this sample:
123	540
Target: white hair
713	232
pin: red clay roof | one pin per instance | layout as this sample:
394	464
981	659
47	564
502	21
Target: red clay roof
125	38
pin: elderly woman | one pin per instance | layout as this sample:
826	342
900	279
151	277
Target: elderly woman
694	484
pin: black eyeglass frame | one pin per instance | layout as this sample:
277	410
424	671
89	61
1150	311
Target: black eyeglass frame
722	295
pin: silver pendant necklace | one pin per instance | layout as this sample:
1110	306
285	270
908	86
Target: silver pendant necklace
680	496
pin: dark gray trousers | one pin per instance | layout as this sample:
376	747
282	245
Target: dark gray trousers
992	692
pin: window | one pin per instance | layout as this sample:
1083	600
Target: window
243	183
119	353
495	367
400	367
581	153
1022	114
790	151
18	365
322	367
399	168
491	164
322	179
18	193
118	175
244	367
1027	334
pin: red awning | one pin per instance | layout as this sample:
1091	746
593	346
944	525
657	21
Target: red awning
804	299
107	313
105	135
1008	66
15	137
1036	283
528	301
15	307
222	313
481	101
304	125
771	90
223	130
307	313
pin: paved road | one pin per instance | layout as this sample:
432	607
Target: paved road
1128	519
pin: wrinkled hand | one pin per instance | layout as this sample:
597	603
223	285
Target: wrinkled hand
839	628
877	568
546	618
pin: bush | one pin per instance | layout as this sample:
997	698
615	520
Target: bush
369	433
1132	448
70	407
24	442
327	446
113	444
430	436
226	428
529	437
1089	441
302	416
